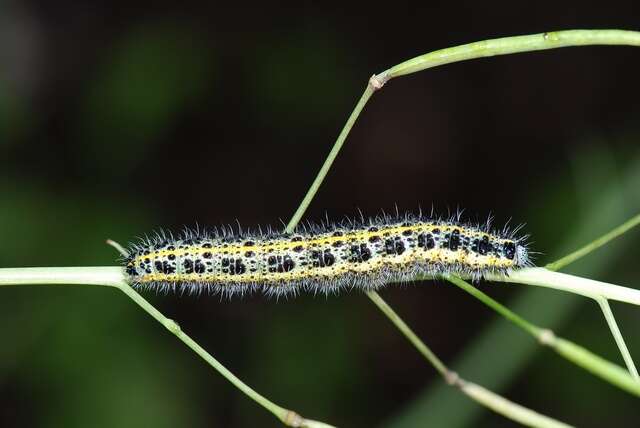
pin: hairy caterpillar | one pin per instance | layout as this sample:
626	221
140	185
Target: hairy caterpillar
323	258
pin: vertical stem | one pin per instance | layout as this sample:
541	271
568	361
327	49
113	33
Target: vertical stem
501	309
613	326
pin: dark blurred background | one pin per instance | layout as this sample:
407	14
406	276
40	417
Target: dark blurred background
117	118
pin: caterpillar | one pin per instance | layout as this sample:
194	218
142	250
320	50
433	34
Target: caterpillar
327	257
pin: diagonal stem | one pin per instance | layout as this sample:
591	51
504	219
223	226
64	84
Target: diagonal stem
409	334
286	416
317	182
113	276
602	301
594	245
474	391
578	355
615	331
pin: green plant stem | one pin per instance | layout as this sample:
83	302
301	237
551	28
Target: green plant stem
598	366
408	333
476	392
594	245
615	331
286	416
502	310
511	45
542	277
119	248
112	276
302	208
601	292
175	329
508	408
485	48
604	304
580	356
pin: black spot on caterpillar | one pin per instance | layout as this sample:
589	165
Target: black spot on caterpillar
324	258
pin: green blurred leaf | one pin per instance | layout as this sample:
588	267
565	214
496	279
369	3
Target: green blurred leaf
152	75
294	81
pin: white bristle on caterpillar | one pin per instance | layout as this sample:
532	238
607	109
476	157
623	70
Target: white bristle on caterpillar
323	258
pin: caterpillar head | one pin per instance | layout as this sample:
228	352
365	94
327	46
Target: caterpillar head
516	250
521	257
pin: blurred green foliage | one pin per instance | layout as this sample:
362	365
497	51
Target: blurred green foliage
146	81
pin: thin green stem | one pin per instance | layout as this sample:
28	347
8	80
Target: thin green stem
594	245
493	304
474	391
597	290
112	276
287	417
408	333
511	45
602	301
119	248
580	356
615	331
90	275
598	366
542	277
302	208
505	407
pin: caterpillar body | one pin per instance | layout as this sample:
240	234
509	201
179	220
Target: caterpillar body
325	258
